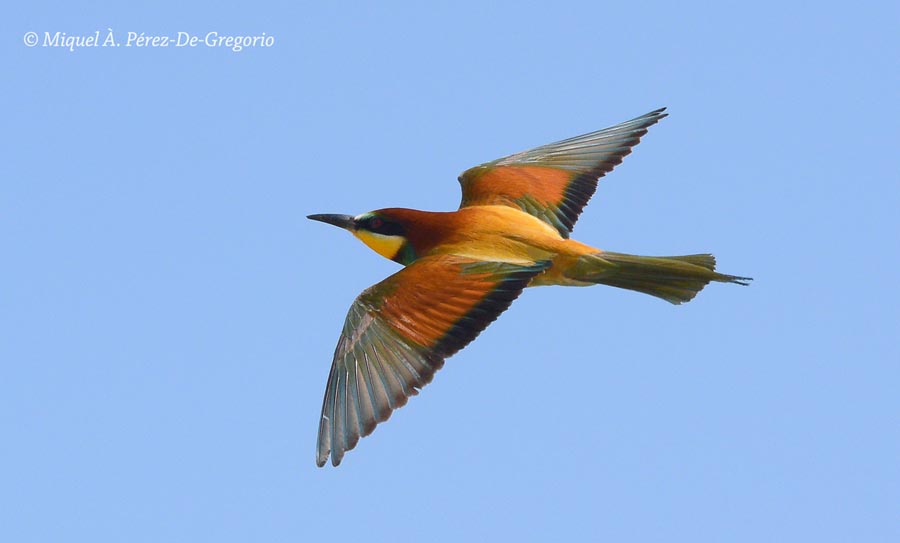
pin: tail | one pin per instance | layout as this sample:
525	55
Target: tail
675	279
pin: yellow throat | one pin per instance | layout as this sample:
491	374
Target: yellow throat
386	246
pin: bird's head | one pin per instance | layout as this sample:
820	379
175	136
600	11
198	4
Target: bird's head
384	231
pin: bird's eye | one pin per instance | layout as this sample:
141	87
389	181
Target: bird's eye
375	223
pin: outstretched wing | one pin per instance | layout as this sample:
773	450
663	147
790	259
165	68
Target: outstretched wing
554	182
398	333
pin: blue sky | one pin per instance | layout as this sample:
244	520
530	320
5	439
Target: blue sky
169	315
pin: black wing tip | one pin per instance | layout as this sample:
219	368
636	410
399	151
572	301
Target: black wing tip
322	455
653	117
336	456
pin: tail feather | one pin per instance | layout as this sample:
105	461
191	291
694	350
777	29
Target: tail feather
676	279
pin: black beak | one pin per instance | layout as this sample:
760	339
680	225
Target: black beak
342	221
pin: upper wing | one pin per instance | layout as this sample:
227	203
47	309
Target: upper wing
398	333
554	182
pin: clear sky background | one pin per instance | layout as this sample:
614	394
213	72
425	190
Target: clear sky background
168	315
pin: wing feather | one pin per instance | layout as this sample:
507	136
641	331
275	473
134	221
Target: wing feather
554	182
398	333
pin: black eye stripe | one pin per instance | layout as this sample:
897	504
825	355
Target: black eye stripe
392	229
381	226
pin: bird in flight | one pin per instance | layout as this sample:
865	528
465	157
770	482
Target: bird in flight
463	268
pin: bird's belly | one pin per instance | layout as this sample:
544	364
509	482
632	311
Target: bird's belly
499	249
515	249
505	234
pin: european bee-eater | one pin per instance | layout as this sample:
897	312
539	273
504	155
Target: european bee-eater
463	268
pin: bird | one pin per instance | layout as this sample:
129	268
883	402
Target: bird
463	268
